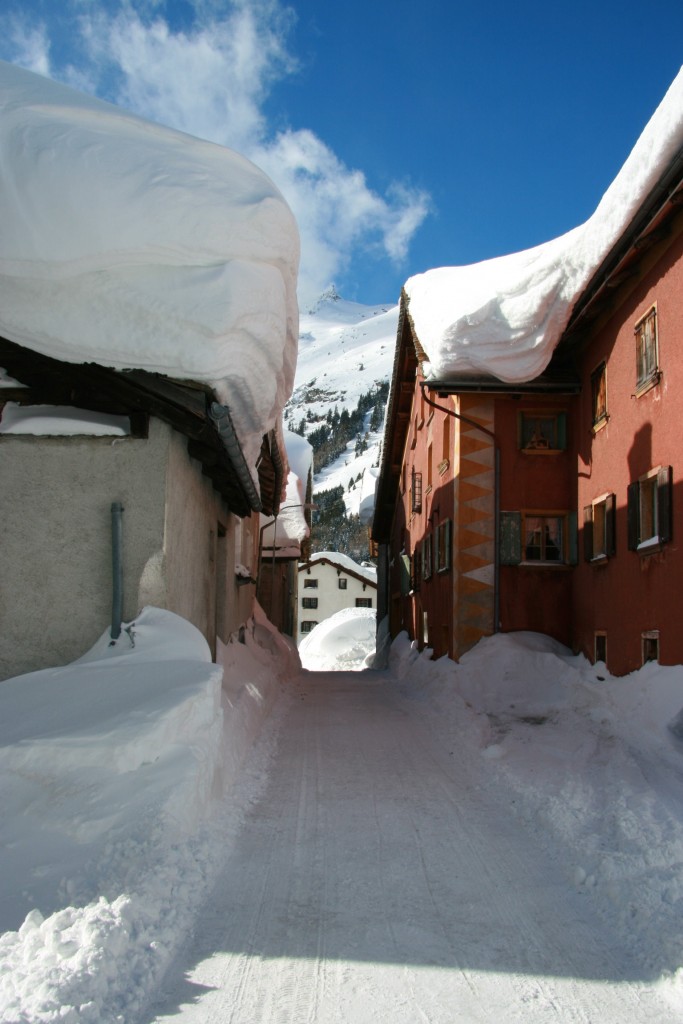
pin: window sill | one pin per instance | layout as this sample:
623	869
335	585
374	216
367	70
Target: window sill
599	424
644	386
443	466
542	451
649	546
599	560
544	565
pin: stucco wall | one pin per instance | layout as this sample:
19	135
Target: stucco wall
199	550
55	563
330	597
631	593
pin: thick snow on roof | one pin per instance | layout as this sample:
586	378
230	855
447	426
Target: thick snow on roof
504	316
291	527
137	247
368	571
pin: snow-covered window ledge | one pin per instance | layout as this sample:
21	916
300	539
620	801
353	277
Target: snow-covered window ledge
647	547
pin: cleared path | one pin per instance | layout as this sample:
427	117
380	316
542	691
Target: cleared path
377	879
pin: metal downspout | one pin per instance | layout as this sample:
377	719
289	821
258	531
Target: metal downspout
220	414
424	385
117	569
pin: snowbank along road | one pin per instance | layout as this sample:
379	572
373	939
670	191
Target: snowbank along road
383	877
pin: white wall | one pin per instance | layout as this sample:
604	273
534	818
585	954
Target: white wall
331	598
55	544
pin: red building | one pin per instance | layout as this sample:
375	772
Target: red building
552	504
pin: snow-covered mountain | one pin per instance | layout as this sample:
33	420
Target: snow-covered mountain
346	352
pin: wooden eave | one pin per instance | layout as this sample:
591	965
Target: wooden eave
401	391
270	474
308	565
184	405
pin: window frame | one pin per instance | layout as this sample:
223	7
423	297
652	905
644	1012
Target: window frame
308	625
600	641
415	492
363	602
649	641
309	602
599	411
559	439
513	534
545	517
342	583
647	370
600	544
443	546
310	583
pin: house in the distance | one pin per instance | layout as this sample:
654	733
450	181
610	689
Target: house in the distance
532	462
148	331
285	539
330	581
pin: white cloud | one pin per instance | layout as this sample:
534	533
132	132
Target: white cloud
30	46
211	79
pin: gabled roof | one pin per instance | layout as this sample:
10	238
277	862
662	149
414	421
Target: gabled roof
340	563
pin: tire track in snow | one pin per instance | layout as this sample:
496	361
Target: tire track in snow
373	881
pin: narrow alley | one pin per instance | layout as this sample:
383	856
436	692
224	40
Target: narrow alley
379	878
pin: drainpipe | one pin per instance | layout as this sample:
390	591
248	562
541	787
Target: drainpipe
496	497
117	569
220	414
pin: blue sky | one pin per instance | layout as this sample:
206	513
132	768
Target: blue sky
405	135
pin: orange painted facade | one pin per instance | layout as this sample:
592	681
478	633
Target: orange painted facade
579	531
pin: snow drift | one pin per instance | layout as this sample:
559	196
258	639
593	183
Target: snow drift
111	831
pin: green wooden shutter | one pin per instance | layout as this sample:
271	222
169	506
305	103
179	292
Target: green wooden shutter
664	517
573	538
562	430
633	515
588	533
510	538
405	575
611	525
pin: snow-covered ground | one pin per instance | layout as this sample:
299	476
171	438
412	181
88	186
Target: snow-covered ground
495	841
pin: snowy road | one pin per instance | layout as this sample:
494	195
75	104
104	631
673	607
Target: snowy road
381	877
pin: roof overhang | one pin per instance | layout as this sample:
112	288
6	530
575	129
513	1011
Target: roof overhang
567	385
188	407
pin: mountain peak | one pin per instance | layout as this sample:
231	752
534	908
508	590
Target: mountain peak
329	295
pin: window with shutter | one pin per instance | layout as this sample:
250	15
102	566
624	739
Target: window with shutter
649	508
538	538
540	432
647	364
